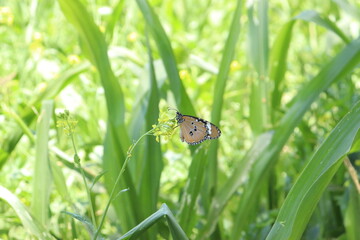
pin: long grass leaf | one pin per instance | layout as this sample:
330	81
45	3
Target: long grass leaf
349	8
42	171
278	66
341	65
28	221
114	18
238	177
313	16
151	161
352	214
116	140
59	181
167	56
187	210
197	171
219	90
316	176
175	229
259	52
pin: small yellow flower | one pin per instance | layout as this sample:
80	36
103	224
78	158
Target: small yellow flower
184	74
6	16
73	59
37	37
36	45
42	86
235	65
102	28
132	37
66	122
165	126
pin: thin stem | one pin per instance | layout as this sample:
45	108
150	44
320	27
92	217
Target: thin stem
111	198
352	173
77	161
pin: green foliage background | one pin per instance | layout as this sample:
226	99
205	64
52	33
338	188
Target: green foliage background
280	79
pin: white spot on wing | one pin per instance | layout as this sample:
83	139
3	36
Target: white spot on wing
208	127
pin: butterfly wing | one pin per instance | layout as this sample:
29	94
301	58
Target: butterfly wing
214	131
193	130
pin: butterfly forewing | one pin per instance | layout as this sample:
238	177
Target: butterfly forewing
195	130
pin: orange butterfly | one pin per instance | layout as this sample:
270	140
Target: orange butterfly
194	130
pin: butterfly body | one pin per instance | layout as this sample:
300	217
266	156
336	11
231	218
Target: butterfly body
194	130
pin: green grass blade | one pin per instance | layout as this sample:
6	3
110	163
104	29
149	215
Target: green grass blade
187	215
96	49
219	90
340	66
313	16
175	229
227	57
350	9
151	161
237	178
259	52
27	220
352	214
195	184
24	127
114	18
57	85
168	58
316	176
259	42
85	221
278	66
42	172
116	140
59	181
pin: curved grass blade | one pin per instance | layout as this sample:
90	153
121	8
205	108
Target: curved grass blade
42	171
114	18
168	58
259	52
200	158
27	220
83	220
313	16
116	140
340	66
187	213
307	190
352	214
176	231
151	160
238	178
278	66
350	9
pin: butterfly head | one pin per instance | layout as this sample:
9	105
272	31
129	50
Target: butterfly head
179	117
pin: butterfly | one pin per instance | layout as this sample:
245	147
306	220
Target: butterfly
194	130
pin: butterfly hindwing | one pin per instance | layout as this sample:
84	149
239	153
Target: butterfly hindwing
195	130
214	132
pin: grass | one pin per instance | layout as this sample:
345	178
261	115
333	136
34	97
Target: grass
280	80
